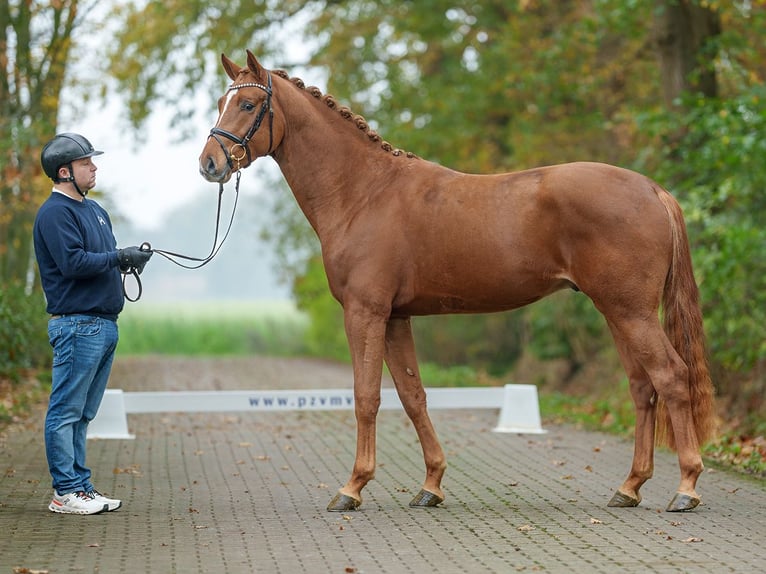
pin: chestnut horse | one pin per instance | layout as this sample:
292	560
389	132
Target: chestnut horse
403	237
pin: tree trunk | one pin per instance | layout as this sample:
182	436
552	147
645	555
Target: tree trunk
33	59
684	35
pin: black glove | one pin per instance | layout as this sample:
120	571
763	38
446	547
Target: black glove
133	257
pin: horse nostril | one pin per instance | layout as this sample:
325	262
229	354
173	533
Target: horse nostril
210	165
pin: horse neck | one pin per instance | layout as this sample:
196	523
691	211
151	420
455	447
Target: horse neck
327	161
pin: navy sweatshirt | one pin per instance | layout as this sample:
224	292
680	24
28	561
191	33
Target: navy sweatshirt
77	256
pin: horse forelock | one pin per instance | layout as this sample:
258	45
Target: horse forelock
345	112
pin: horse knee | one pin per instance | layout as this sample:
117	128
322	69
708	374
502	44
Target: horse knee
367	410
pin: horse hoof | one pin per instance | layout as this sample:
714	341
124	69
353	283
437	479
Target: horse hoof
621	500
343	502
682	502
425	499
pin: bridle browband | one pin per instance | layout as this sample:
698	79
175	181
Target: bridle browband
240	145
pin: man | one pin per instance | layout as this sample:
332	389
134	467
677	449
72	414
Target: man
80	273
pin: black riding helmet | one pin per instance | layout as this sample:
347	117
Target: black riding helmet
62	150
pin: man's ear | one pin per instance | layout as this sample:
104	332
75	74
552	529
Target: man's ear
63	172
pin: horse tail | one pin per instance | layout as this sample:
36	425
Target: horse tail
682	321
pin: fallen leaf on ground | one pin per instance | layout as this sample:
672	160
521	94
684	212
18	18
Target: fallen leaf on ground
596	521
693	539
134	469
525	528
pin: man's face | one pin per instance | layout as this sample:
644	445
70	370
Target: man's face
84	172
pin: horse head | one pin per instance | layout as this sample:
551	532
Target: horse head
245	129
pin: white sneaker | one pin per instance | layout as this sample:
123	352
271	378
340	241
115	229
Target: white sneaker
76	503
112	503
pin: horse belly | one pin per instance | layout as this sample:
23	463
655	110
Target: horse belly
481	285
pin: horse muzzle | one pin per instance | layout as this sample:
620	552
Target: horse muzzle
216	172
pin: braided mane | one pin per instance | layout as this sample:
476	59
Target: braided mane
346	113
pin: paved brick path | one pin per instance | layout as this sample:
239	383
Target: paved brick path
246	492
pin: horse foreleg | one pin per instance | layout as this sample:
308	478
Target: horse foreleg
402	362
642	468
365	332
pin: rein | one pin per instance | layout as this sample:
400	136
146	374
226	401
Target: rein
174	257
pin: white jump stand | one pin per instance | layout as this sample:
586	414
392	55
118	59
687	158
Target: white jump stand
111	420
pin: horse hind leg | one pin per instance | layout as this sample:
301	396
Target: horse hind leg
402	363
644	400
646	346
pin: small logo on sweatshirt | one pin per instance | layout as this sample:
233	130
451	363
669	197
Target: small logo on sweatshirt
101	220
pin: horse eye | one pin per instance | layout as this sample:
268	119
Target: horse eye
247	106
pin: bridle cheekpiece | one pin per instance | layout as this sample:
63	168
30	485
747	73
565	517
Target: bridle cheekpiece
239	149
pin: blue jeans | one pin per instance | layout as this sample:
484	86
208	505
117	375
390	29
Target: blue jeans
83	350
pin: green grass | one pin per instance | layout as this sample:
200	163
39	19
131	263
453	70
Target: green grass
613	414
214	328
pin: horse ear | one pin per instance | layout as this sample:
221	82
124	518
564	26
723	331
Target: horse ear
253	64
230	67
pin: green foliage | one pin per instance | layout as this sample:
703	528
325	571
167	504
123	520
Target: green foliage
613	412
23	332
566	326
715	165
488	342
35	43
326	332
732	452
492	86
434	375
744	452
166	50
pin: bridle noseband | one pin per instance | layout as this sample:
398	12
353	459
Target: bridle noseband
239	149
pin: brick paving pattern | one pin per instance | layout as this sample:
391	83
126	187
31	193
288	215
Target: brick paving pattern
246	492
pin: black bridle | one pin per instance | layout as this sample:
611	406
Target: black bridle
240	145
